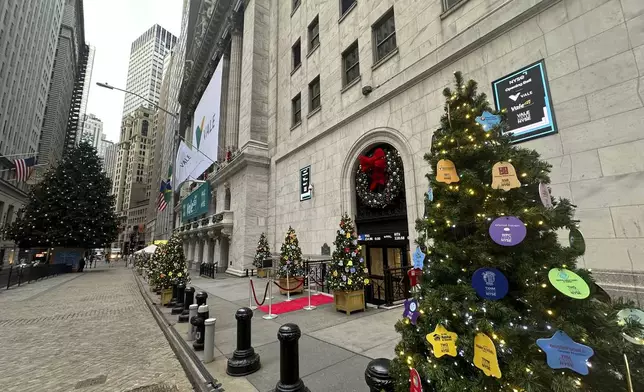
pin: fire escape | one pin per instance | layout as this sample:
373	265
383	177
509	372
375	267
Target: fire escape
74	122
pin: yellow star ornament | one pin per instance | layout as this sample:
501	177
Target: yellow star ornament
443	341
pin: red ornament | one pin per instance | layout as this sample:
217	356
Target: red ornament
414	276
346	250
415	385
378	165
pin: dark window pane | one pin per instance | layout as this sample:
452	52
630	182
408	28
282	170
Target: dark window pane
296	3
351	64
345	5
297	110
385	35
314	33
314	94
297	54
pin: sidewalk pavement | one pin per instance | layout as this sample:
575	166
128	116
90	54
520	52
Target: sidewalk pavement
89	331
334	349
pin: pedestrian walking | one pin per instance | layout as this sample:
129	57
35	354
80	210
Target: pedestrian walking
81	264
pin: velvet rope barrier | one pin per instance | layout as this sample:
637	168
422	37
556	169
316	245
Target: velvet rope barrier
252	285
290	289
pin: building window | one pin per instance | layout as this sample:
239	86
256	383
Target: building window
296	4
296	104
384	35
449	4
314	34
297	54
346	5
314	94
351	64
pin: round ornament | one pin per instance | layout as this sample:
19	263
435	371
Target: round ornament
544	195
415	384
569	283
490	283
507	231
625	315
379	178
577	242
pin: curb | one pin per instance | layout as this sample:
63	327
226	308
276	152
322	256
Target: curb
198	375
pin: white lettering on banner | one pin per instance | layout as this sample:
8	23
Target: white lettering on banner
205	134
523	117
187	163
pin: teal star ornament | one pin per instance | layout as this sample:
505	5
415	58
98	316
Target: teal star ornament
564	353
488	120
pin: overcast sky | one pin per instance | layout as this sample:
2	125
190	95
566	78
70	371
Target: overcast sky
111	26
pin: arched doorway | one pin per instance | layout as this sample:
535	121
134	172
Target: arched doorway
381	221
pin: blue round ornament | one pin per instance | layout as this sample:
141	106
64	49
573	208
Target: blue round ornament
490	283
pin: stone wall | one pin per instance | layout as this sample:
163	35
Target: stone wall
594	53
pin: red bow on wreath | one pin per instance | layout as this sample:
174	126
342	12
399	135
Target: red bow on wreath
378	165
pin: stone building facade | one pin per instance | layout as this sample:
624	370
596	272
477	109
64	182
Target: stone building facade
316	91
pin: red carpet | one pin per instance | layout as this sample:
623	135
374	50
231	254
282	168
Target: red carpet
298	304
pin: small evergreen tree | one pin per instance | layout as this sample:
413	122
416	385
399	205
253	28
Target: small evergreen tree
168	264
263	252
71	207
348	271
290	256
490	291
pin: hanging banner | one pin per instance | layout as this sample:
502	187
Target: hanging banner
526	97
305	183
189	163
205	130
196	203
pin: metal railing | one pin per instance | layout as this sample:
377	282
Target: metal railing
208	270
21	274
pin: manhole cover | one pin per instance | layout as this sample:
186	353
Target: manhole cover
91	381
155	388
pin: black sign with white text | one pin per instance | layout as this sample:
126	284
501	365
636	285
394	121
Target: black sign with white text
305	183
526	97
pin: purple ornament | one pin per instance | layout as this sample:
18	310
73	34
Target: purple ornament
507	231
411	310
344	278
353	270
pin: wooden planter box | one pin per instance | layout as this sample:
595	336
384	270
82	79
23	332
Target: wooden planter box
349	301
166	296
292	283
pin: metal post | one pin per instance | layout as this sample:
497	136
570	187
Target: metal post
288	287
181	289
290	380
250	294
191	329
270	314
201	298
209	340
189	297
309	306
244	360
377	376
200	323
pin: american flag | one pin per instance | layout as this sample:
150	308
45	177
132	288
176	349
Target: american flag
24	168
161	203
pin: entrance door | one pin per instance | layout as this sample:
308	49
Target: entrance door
386	261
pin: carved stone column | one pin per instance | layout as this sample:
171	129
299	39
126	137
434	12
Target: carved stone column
217	253
207	257
225	77
234	84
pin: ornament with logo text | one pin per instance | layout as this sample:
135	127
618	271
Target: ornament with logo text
415	384
430	194
488	120
485	356
418	258
577	242
544	195
443	341
446	172
507	230
569	283
411	310
564	353
625	316
504	176
490	283
415	275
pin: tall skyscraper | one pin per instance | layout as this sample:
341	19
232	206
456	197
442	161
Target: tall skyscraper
92	130
28	36
88	80
145	70
67	80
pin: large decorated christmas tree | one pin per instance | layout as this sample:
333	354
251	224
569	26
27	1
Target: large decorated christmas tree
71	207
290	256
347	271
262	253
168	264
502	305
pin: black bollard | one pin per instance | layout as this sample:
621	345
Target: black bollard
200	323
178	308
290	380
377	376
173	301
244	361
189	298
201	298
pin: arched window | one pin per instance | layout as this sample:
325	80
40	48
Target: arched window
144	128
227	200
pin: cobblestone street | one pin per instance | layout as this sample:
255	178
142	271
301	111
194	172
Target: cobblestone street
84	332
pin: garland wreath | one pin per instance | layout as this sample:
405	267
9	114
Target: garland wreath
379	177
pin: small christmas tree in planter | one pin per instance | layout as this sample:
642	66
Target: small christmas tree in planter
262	254
348	271
290	264
168	265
